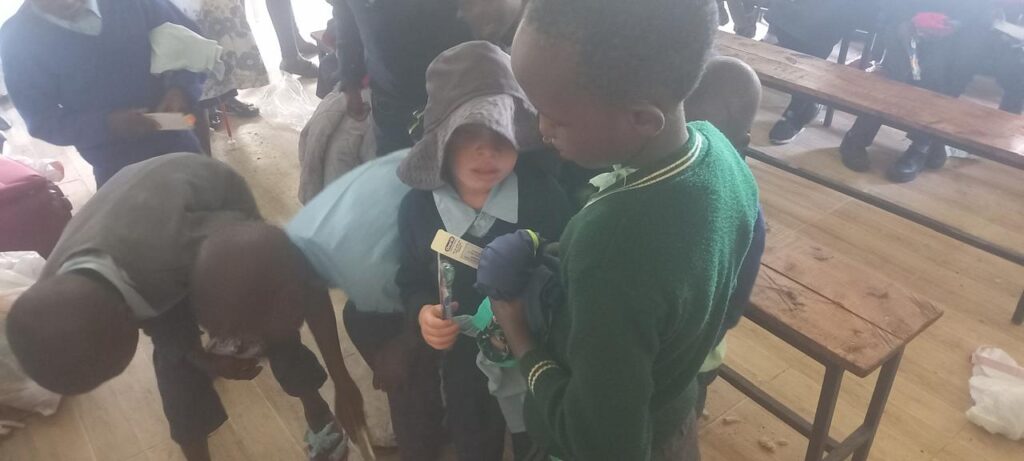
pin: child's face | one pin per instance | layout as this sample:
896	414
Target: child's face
479	158
584	129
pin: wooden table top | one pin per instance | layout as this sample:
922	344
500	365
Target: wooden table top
984	131
832	308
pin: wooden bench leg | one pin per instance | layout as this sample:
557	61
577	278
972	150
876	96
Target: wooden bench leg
844	51
818	439
1018	315
886	378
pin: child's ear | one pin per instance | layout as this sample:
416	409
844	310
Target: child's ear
647	119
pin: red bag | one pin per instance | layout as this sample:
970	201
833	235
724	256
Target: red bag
33	210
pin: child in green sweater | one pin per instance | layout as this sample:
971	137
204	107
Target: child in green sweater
649	264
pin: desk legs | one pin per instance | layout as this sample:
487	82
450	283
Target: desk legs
823	415
886	378
1018	315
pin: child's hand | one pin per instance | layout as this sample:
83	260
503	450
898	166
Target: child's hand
438	332
505	265
175	101
130	124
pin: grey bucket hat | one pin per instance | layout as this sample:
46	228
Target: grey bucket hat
471	83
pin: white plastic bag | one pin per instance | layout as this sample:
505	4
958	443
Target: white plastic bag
18	271
997	388
285	102
48	168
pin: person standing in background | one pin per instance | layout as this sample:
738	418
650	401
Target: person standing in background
392	42
78	72
224	21
293	46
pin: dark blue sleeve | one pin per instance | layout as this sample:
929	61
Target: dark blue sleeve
35	93
351	55
417	284
158	12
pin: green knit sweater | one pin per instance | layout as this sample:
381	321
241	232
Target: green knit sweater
648	266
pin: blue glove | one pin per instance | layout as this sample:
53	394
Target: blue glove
506	264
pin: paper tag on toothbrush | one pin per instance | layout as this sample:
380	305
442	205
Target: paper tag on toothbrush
456	248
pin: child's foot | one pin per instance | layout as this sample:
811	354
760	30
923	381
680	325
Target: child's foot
330	444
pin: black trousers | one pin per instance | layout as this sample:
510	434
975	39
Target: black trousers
946	66
191	404
802	109
418	411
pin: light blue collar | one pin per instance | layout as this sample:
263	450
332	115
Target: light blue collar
104	265
460	219
89	23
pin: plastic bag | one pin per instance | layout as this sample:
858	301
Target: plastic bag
285	102
48	168
18	271
997	388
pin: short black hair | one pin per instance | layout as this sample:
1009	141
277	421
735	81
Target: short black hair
652	50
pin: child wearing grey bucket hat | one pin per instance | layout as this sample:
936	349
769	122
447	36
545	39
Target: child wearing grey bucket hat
469	178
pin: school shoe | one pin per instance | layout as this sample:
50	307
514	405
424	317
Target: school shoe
937	156
792	124
301	67
784	131
854	157
909	164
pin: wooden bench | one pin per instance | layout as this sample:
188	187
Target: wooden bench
983	131
846	318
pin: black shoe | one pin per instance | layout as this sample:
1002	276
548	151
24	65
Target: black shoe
216	120
908	165
306	49
240	109
746	31
854	157
300	67
936	156
784	132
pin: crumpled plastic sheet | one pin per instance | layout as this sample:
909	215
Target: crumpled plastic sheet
997	389
285	102
18	271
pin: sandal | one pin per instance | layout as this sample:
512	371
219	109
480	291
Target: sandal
301	67
330	444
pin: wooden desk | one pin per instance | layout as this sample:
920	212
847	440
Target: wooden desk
986	132
846	318
983	131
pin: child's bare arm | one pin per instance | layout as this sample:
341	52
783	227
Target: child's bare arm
348	401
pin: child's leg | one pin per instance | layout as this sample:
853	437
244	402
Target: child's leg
523	448
474	416
683	446
299	372
416	410
190	402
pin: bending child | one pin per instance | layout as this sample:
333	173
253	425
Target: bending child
164	243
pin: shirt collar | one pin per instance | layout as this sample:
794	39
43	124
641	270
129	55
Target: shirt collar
459	218
89	23
104	265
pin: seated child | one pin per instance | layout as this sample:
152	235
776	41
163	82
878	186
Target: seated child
167	242
650	263
469	179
